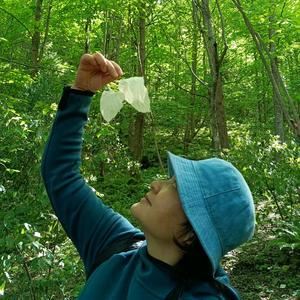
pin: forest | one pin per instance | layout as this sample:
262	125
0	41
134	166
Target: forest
223	81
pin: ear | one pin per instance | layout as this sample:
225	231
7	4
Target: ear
188	238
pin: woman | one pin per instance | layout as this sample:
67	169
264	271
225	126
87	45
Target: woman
189	222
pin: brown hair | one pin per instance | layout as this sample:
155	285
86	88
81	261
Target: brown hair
195	264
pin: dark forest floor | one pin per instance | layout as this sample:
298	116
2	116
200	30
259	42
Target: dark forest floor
262	271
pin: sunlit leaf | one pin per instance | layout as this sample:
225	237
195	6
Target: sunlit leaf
37	234
2	287
37	245
2	189
27	226
11	171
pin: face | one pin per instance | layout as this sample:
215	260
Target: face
160	213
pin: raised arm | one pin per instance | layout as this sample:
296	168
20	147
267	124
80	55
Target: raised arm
92	226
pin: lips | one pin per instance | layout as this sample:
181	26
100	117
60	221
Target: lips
147	199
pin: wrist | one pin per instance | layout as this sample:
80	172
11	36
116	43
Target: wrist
77	90
75	87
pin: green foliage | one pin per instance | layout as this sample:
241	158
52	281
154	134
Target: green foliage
31	255
289	235
272	170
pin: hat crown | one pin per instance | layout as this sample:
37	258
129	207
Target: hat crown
229	201
217	201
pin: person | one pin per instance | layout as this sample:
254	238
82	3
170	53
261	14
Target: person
188	222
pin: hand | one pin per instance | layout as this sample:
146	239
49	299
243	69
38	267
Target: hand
95	71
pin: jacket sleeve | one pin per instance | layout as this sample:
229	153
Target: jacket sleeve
92	226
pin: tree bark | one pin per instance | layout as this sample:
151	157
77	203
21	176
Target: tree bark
220	137
87	30
41	54
117	42
36	38
107	34
190	120
279	129
136	130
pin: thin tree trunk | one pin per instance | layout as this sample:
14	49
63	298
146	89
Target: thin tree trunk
218	118
87	30
107	34
41	54
190	121
294	67
136	130
36	38
260	99
279	129
118	40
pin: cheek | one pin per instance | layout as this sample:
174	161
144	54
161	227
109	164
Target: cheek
169	210
175	210
168	218
158	221
161	220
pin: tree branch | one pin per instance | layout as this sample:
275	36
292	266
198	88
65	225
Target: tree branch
283	7
46	31
16	62
221	59
18	20
204	83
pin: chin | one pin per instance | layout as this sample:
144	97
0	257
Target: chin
133	210
136	212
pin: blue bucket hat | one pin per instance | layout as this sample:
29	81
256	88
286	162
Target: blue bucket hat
217	202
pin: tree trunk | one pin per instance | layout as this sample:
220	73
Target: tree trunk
279	88
258	83
107	34
279	129
87	30
36	38
136	130
190	120
117	42
41	54
218	119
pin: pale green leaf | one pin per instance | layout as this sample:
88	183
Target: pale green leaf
110	104
136	93
2	287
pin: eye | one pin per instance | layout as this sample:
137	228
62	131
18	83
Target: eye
173	181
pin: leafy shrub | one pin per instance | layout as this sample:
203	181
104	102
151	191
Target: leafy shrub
271	169
35	255
289	235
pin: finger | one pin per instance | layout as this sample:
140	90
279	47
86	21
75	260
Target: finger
101	61
88	59
111	70
117	68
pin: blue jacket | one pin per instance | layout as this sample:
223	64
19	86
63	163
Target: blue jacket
118	267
